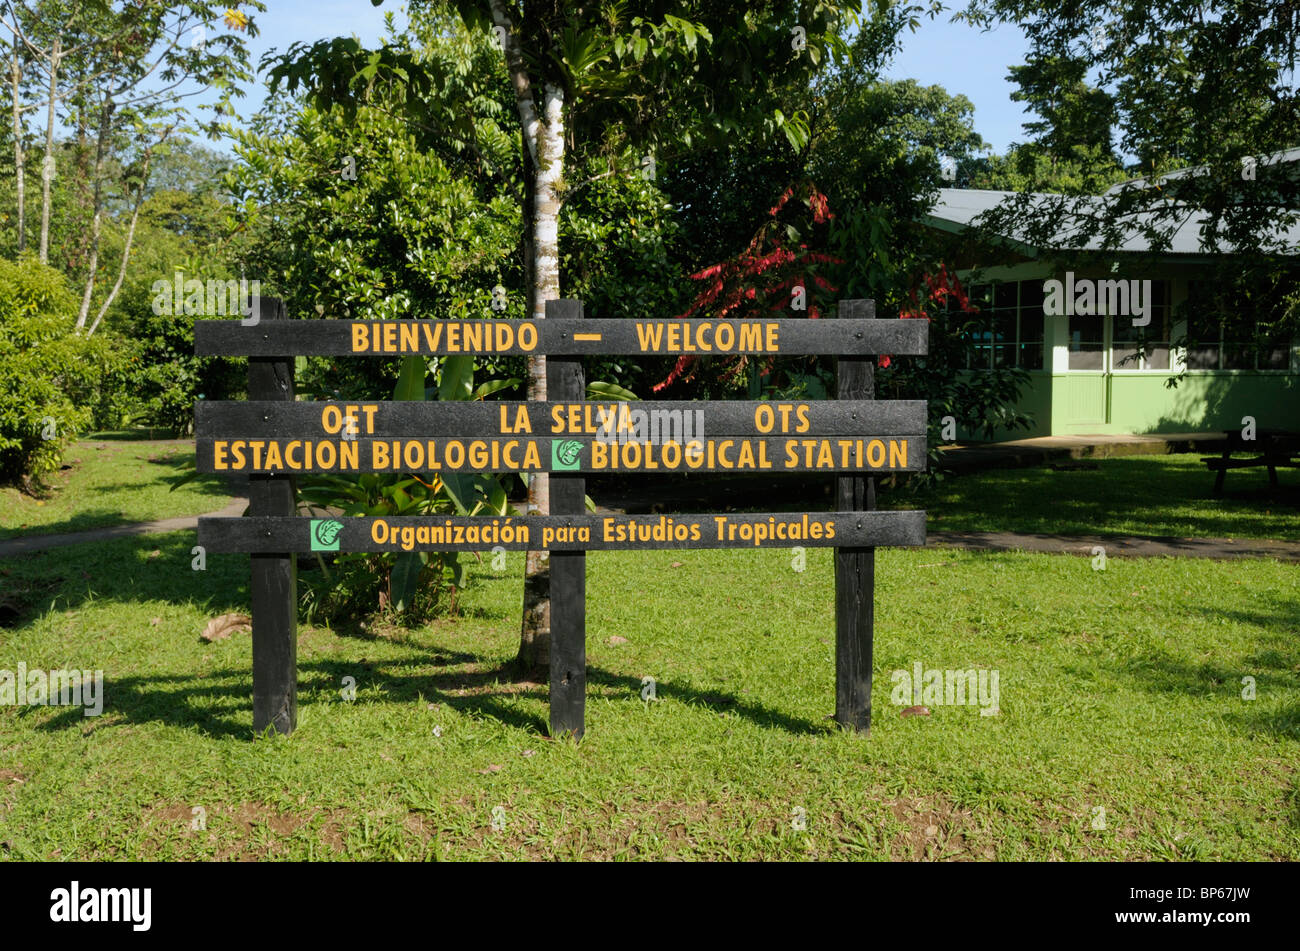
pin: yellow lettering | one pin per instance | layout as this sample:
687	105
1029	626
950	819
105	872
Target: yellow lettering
472	334
650	336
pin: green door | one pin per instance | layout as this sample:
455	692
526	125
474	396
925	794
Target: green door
1086	390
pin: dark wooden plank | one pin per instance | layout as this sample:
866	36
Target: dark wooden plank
863	453
1234	439
274	588
565	381
564	532
1241	463
656	420
855	567
608	337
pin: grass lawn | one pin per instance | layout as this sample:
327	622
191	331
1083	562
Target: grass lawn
112	479
1120	690
1131	495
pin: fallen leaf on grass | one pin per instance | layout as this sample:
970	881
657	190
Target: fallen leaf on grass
915	712
154	622
618	640
529	753
220	628
492	768
156	553
675	564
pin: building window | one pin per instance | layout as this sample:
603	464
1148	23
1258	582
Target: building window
1087	342
1212	346
1144	348
1008	330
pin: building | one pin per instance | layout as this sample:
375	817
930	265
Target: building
1086	373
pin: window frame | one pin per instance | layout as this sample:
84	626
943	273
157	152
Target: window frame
986	341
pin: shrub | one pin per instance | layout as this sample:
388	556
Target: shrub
165	378
48	372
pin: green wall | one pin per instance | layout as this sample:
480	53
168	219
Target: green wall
1204	401
1063	404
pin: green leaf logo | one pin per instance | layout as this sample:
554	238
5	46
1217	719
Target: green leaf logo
325	534
565	453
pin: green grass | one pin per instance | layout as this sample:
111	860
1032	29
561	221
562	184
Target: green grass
1132	495
112	479
1120	690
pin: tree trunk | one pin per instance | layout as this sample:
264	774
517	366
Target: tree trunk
544	168
95	222
130	236
16	78
535	630
47	172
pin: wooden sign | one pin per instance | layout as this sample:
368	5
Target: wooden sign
366	454
564	532
631	421
272	437
395	338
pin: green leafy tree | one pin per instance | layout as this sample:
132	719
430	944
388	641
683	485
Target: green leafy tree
598	73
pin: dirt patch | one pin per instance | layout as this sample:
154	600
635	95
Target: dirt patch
256	827
935	830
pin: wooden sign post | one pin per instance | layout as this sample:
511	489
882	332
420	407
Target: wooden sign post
274	584
565	381
273	437
855	568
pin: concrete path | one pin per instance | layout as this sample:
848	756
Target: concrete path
24	546
1041	450
1132	546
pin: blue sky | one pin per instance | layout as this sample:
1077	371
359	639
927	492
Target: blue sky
964	60
956	56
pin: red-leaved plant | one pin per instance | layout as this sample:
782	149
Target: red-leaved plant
762	279
939	288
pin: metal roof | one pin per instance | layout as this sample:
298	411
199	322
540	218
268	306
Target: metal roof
957	208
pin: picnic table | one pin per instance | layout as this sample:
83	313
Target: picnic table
1275	447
